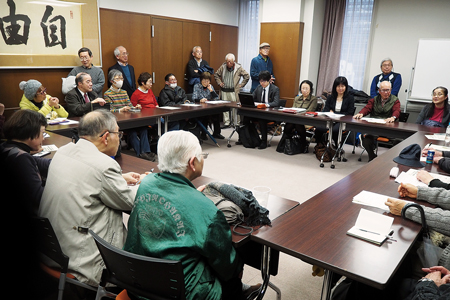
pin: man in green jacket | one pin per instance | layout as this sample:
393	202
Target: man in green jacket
173	220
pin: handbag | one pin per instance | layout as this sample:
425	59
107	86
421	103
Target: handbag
292	146
320	149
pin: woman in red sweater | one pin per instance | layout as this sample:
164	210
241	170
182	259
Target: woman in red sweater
143	95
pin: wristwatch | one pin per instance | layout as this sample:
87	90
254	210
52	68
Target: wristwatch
425	279
395	118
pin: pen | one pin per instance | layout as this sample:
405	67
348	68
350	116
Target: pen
369	231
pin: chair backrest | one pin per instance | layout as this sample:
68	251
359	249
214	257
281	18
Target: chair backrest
149	277
282	102
49	244
320	104
403	117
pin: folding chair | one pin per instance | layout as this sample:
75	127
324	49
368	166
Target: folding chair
385	141
49	246
152	278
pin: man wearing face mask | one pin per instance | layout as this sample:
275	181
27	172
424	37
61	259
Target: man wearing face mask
120	103
171	94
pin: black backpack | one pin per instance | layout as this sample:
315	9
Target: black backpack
248	135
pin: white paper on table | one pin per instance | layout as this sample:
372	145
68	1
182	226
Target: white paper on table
374	120
169	107
62	121
372	199
190	104
410	176
49	148
297	109
435	137
217	101
440	148
330	114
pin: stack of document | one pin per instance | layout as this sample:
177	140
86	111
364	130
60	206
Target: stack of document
374	120
372	199
296	109
436	136
411	177
330	114
371	226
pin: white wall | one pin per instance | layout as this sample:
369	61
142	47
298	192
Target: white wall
311	13
224	12
397	27
279	10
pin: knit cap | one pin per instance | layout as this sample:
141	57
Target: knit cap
30	88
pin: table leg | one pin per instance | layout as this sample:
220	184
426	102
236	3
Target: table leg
159	126
339	148
329	144
326	285
166	123
265	271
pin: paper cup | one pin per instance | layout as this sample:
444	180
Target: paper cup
261	194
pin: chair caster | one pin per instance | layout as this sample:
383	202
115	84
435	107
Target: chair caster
359	159
338	159
353	152
229	145
332	166
344	159
321	165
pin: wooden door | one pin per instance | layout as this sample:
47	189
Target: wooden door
116	27
224	40
166	52
194	34
285	41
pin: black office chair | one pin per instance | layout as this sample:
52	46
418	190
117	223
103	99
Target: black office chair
385	141
144	276
49	246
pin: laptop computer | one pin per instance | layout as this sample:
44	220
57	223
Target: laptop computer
106	106
246	99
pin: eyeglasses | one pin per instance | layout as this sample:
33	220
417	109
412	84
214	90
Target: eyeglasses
438	95
205	155
125	53
386	65
385	91
42	92
83	58
119	133
118	78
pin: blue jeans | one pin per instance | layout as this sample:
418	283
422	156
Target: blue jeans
140	144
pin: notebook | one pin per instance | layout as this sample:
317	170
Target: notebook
246	100
371	226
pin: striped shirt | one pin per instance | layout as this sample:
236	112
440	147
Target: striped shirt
118	99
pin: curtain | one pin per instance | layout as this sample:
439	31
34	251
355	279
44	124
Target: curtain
331	45
357	24
249	30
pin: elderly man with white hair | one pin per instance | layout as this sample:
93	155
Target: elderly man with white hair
122	65
383	106
173	220
387	75
228	77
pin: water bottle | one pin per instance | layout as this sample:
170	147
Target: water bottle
447	136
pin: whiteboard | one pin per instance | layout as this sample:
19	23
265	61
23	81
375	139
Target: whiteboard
432	68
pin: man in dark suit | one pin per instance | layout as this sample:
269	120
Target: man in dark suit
80	99
269	94
129	82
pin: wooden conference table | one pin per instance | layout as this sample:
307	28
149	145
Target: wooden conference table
315	231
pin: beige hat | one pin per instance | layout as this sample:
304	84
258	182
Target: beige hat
264	45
